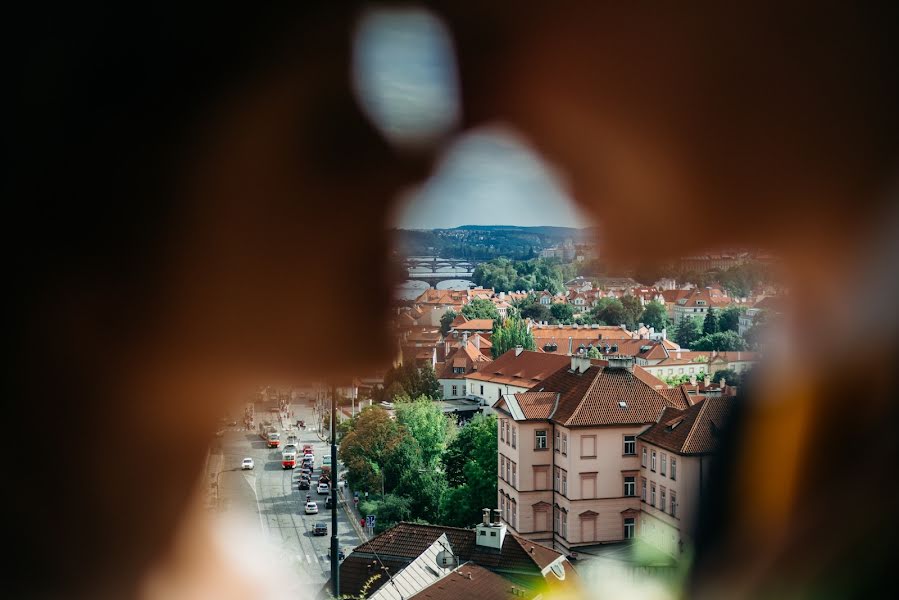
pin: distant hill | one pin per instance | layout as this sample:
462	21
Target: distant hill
487	241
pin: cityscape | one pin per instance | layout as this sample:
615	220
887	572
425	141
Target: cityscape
541	415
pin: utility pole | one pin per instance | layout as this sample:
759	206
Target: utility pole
335	559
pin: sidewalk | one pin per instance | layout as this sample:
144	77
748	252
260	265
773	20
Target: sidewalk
352	513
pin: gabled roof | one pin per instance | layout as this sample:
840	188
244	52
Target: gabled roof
528	405
594	397
469	581
692	431
523	370
476	325
466	356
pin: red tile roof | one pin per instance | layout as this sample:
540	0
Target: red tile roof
594	396
523	370
469	581
534	405
692	431
476	325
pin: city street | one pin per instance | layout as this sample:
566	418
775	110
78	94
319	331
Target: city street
270	493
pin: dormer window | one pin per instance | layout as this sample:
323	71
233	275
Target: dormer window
700	303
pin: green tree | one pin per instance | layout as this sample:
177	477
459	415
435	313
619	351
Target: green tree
509	333
687	332
710	323
593	353
480	308
368	447
729	318
446	321
730	376
655	315
610	311
388	511
563	313
632	311
472	460
428	425
723	341
536	311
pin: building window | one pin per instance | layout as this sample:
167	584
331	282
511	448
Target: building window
455	390
502	504
558	518
482	390
643	489
630	444
458	369
565	525
652	464
502	465
514	514
588	446
540	440
662	504
514	475
630	486
514	436
673	503
502	430
643	457
673	468
564	483
629	528
558	445
565	443
652	493
664	464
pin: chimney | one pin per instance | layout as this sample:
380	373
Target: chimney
707	381
579	363
477	342
519	349
490	533
621	361
464	338
678	355
692	379
570	345
722	383
664	333
446	348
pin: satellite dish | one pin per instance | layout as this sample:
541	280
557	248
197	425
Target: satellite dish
446	559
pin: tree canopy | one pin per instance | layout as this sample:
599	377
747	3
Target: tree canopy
432	429
470	464
509	333
562	312
655	315
446	320
687	332
710	323
480	308
723	341
729	318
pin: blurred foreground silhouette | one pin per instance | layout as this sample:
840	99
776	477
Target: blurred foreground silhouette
198	203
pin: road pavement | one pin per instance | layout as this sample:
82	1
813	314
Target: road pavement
271	494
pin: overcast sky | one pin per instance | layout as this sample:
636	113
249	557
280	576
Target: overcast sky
490	177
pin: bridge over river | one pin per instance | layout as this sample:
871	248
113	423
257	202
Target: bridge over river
433	270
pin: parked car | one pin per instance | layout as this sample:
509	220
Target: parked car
340	555
247	463
323	488
320	529
311	508
304	484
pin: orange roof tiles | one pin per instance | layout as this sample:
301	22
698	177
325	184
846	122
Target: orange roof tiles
476	324
469	581
523	370
695	430
594	397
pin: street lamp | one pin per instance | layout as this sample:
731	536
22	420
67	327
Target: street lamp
335	562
